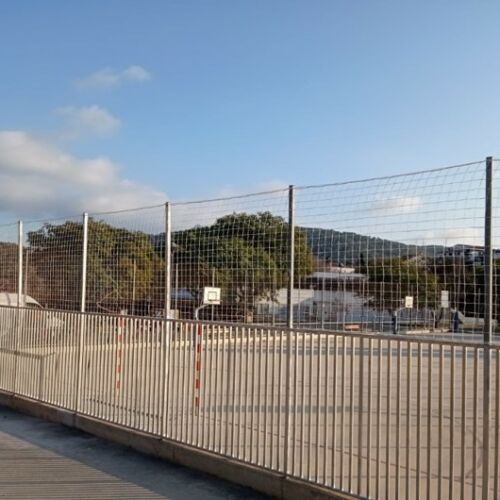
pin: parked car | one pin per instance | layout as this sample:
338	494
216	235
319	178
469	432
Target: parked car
10	299
48	325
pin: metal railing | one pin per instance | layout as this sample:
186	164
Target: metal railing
376	416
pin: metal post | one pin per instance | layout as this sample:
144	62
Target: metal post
291	254
83	295
168	260
20	264
19	299
488	313
169	327
291	268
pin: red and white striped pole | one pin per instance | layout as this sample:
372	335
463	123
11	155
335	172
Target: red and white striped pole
119	352
197	367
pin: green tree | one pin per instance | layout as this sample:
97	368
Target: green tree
391	280
8	267
121	264
244	254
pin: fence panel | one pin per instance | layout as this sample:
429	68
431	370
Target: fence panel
372	415
239	244
336	401
52	262
378	241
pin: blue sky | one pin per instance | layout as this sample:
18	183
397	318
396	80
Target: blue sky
110	104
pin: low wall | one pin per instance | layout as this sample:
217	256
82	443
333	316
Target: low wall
264	481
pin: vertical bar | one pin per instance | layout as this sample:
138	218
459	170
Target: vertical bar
408	416
452	421
326	403
463	423
379	419
291	254
496	471
167	331
83	293
474	423
82	309
334	404
20	264
168	259
440	422
488	309
429	418
360	415
369	418
342	415
419	411
19	299
398	420
291	268
351	413
388	424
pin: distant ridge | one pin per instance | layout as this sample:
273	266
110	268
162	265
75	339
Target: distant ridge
349	248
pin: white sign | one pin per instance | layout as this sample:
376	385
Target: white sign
211	296
445	299
409	302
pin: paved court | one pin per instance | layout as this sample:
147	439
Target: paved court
42	460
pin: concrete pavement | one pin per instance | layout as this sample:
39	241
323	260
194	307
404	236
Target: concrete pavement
43	460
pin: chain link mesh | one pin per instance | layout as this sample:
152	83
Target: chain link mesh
52	262
386	254
238	244
8	263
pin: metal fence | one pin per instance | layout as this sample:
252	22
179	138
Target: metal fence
363	251
377	416
336	401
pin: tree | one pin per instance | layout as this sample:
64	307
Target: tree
121	264
391	280
244	254
8	267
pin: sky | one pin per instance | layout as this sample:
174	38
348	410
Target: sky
107	105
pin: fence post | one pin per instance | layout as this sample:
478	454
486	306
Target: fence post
83	295
19	263
291	255
16	345
488	313
168	325
289	312
168	260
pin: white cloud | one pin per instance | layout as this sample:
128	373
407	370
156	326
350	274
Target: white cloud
110	77
87	121
40	179
398	205
136	73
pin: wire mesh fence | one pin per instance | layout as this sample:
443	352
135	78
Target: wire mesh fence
52	263
379	241
333	400
9	263
125	262
238	244
395	254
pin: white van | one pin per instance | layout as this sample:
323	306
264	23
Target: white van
49	324
10	299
